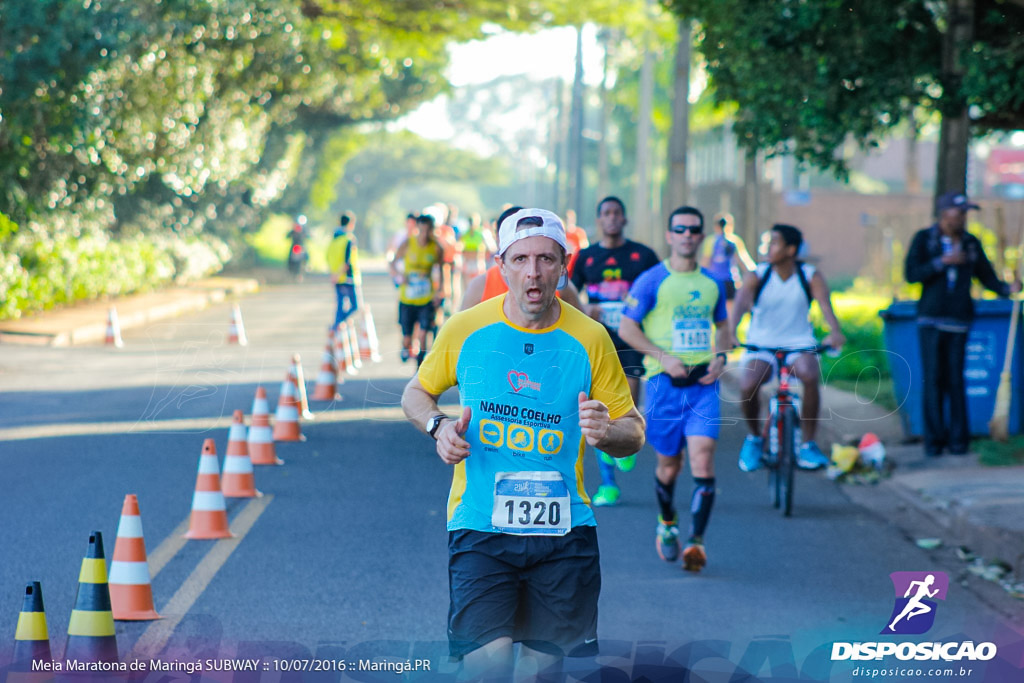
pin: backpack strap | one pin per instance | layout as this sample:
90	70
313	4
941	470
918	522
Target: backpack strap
761	283
804	283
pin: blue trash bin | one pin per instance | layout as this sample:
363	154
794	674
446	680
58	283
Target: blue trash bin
986	351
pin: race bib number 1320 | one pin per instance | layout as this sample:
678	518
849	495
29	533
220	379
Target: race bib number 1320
531	503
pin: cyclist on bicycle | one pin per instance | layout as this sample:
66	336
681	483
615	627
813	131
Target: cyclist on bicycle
778	295
675	315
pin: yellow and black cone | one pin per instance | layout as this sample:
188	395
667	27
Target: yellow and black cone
32	639
91	631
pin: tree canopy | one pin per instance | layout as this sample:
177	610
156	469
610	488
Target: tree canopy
807	76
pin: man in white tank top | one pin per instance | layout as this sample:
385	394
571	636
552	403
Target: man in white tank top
778	295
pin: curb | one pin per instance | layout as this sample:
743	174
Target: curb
86	323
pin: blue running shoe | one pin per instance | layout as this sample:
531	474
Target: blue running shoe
750	454
667	541
810	457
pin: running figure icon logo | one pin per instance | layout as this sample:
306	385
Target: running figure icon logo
916	593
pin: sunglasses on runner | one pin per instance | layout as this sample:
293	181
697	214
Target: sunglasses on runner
692	229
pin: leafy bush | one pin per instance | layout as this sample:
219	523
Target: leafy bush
41	268
863	366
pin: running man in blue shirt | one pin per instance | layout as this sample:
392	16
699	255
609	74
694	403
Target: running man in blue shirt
538	380
677	303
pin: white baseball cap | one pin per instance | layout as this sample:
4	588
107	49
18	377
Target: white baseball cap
551	226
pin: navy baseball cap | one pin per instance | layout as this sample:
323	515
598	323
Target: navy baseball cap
953	200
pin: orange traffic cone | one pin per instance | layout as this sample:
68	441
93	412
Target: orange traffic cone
343	351
131	595
209	518
353	341
113	329
371	335
286	420
326	388
236	335
91	629
237	480
261	437
31	639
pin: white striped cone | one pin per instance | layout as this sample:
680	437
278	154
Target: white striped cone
371	334
209	518
300	388
113	336
329	351
261	436
342	351
286	420
236	335
237	479
326	388
353	344
131	594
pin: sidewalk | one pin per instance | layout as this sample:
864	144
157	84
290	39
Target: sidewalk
951	498
86	323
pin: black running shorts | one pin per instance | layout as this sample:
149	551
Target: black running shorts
540	591
410	314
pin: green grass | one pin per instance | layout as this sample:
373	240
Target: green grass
877	390
995	454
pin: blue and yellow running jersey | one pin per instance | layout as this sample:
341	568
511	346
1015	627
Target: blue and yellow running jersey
678	312
522	387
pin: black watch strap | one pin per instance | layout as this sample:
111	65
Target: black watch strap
435	424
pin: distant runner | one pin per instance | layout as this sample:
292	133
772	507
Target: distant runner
605	271
678	304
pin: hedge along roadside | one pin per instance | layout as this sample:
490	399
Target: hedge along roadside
39	271
863	366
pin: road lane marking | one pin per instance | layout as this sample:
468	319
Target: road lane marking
389	414
159	558
155	637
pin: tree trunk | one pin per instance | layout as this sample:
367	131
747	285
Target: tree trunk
642	224
913	176
676	189
954	136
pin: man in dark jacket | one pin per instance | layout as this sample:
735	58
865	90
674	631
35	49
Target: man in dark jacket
944	258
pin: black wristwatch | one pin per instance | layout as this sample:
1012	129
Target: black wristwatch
724	356
434	423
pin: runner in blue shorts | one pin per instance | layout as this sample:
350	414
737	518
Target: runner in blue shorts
678	304
538	380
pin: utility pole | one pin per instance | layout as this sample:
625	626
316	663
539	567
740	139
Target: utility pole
576	135
603	182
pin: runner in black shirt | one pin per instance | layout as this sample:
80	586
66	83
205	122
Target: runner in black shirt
605	271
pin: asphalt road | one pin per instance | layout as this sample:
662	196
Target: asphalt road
345	556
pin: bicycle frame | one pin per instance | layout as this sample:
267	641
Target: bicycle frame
783	416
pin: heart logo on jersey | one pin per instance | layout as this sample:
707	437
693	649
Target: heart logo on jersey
517	379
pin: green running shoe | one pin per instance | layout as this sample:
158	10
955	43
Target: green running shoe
667	541
606	496
626	464
605	458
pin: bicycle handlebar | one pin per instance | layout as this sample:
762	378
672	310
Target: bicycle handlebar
819	348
